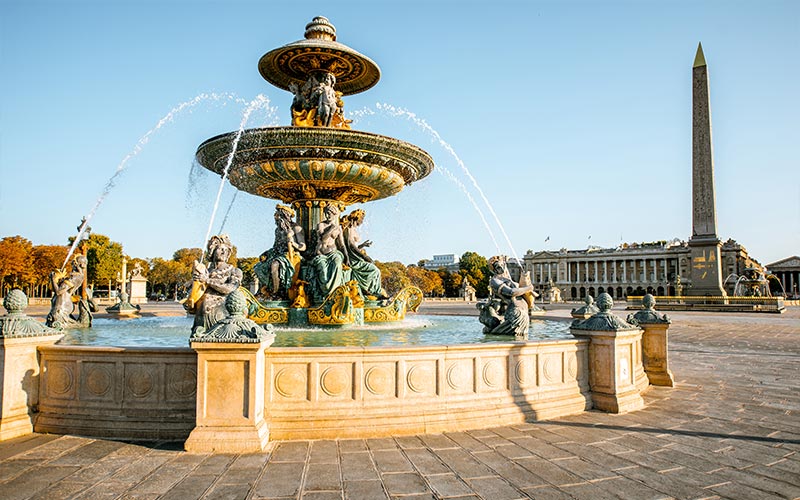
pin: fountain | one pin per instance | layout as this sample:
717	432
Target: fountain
232	389
752	283
318	166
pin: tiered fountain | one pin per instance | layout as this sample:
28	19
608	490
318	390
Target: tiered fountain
318	166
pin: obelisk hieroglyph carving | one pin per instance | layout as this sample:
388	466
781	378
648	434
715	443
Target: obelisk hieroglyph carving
706	272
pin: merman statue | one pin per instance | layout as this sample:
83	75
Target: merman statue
364	271
330	256
64	287
506	311
279	265
212	284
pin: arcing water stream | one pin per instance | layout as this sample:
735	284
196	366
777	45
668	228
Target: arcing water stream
258	102
136	150
422	124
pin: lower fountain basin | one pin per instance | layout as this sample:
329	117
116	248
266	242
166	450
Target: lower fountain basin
415	330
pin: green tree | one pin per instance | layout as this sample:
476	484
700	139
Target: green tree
104	259
475	268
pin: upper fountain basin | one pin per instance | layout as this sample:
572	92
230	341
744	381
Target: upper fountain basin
296	163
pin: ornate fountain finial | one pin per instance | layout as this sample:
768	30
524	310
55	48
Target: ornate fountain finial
321	28
16	323
604	320
648	313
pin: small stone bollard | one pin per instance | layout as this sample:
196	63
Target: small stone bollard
20	337
655	342
587	310
230	383
616	374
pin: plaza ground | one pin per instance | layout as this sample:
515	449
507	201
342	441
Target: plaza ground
730	428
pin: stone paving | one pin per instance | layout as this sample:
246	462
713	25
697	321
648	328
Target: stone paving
729	429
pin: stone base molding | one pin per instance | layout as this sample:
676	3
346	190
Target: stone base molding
616	374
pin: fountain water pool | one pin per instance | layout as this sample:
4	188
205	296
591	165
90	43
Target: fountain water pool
418	330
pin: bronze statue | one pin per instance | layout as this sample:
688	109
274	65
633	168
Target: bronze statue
278	266
330	256
64	287
506	311
212	284
364	271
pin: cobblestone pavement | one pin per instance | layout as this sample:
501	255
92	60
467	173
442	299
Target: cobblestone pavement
729	429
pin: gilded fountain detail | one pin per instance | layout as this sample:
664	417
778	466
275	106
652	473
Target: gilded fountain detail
317	270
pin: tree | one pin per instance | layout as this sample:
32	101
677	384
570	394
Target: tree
187	256
393	276
104	259
246	264
428	281
168	275
46	258
16	262
475	268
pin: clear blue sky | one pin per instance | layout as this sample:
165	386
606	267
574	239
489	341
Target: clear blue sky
573	117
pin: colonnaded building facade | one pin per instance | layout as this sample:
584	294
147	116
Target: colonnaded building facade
659	268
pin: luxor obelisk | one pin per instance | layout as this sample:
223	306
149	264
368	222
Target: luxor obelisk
706	271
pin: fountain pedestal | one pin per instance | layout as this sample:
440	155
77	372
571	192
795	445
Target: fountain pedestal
230	398
616	373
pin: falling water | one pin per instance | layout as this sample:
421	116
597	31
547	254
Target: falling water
395	111
273	122
136	150
258	102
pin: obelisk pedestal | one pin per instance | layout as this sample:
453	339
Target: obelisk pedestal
706	271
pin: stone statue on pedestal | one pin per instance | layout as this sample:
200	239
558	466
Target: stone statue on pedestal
212	283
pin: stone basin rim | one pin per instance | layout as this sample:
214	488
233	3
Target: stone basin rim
322	138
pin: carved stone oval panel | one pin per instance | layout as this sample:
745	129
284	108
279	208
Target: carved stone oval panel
335	381
379	381
290	382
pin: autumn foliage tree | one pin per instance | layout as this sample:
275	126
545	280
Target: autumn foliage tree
16	262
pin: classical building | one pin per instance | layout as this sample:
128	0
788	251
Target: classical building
660	268
788	273
448	261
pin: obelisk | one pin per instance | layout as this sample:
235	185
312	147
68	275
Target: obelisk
706	272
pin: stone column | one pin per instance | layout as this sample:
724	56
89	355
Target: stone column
616	374
231	370
596	272
655	342
20	338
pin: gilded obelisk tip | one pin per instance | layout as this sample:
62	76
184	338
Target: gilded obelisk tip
699	59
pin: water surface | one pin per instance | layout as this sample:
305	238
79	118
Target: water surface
173	331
